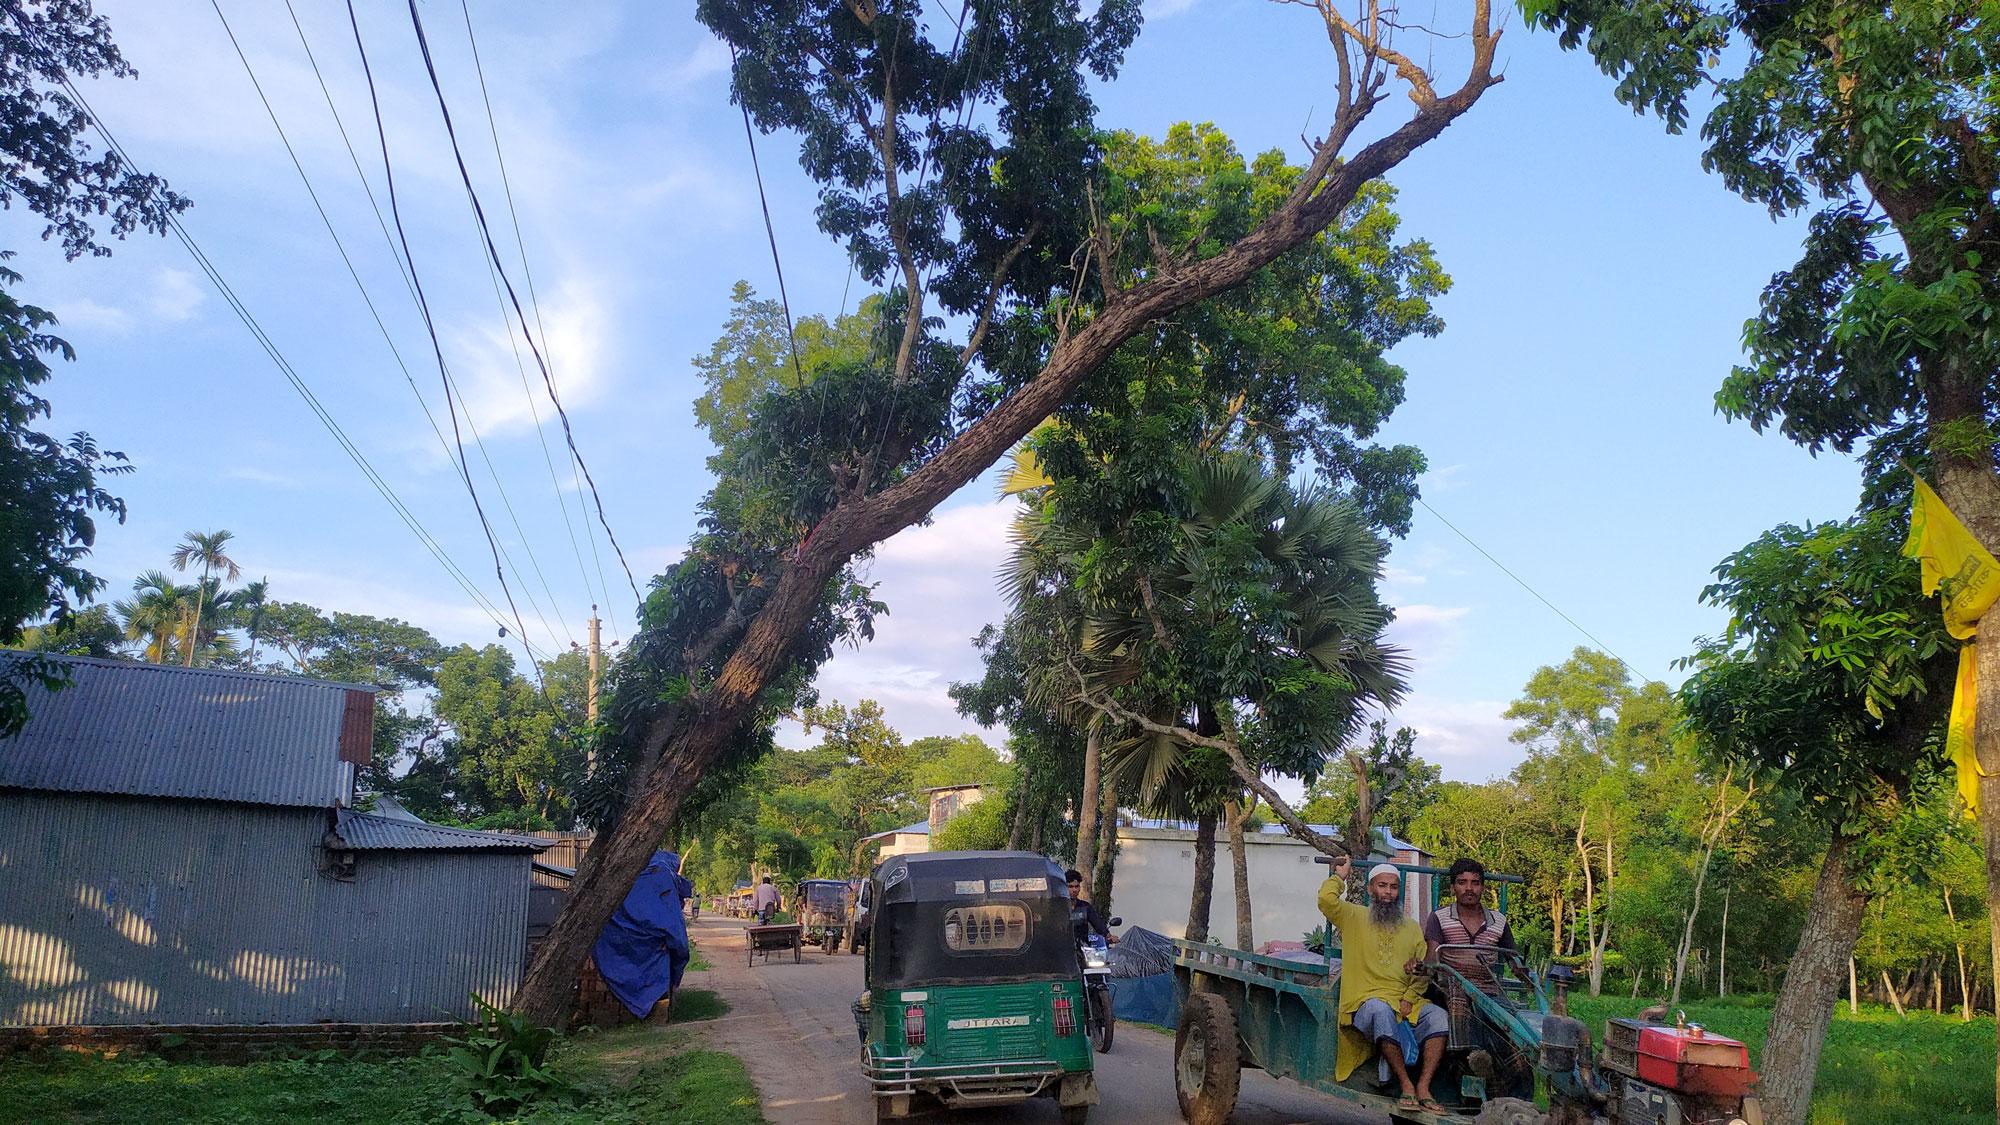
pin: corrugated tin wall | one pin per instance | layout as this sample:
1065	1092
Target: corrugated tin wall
121	910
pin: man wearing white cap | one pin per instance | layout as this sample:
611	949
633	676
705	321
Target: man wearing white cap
1382	987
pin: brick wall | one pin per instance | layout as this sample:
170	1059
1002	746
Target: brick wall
225	1043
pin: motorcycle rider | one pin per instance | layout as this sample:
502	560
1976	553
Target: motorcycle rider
1083	917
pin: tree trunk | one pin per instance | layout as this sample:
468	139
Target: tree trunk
1086	805
1894	997
1234	813
1019	827
194	625
1968	485
1722	950
1964	983
1853	990
686	736
1100	873
1811	988
1204	877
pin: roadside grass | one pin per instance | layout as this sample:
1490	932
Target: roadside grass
1877	1068
691	1004
696	962
635	1074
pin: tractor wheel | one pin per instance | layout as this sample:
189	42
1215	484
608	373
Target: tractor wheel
1207	1069
1510	1111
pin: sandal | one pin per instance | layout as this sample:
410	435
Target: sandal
1432	1105
1408	1103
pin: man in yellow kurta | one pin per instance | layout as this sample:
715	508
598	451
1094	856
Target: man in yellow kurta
1381	985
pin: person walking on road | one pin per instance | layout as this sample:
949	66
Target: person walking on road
764	902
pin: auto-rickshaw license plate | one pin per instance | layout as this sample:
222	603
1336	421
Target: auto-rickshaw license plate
987	1021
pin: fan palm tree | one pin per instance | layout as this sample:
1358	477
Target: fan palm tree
209	551
153	613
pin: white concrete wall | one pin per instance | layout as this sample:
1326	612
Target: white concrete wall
905	843
1155	878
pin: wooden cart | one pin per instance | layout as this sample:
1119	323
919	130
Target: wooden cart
775	939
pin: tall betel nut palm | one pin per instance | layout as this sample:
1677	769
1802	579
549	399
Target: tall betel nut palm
206	551
957	164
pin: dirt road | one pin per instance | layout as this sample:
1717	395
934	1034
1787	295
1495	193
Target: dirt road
790	1025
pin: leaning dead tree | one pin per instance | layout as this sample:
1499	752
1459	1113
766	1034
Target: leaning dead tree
992	225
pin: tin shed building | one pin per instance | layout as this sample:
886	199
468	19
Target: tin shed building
179	846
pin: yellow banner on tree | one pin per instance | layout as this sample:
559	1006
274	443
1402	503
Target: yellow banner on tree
1959	569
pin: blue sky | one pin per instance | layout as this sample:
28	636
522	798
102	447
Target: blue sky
1601	282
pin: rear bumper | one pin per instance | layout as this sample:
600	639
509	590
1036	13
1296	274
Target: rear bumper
995	1083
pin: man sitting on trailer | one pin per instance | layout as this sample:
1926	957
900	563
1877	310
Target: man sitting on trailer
1382	1004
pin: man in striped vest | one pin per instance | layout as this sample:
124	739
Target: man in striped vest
1468	921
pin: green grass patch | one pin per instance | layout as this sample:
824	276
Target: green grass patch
635	1074
1877	1068
691	1004
696	962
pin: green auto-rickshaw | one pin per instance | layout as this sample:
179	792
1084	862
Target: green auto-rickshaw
975	994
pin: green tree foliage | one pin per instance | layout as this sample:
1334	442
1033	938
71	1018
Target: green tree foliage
50	165
753	357
508	748
1401	785
974	225
983	827
52	489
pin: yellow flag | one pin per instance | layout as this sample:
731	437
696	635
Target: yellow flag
1961	571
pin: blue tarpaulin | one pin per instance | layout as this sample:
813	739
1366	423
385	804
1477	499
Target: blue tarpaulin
643	949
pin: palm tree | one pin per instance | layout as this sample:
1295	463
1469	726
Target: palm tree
153	612
248	604
208	550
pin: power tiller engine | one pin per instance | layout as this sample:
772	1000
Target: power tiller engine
1678	1075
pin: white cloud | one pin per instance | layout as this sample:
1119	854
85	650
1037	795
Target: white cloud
1442	480
256	475
1467	737
489	371
706	60
86	313
938	581
1162	9
1432	634
176	297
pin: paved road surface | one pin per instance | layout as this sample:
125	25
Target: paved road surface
791	1026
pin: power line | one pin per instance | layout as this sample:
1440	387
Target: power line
290	373
1592	637
479	212
387	338
534	302
770	232
395	212
395	255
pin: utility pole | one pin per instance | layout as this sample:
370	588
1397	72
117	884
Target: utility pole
591	695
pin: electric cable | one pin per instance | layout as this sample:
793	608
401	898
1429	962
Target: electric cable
534	302
430	326
1518	580
437	88
298	382
771	233
367	300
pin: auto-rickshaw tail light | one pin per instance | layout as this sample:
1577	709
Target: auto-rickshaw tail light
1065	1018
913	1025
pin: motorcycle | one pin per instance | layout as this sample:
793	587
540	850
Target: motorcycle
1095	953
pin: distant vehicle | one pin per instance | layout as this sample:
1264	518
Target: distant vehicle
824	908
975	993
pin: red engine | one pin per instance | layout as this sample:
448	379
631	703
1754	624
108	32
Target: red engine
1664	1075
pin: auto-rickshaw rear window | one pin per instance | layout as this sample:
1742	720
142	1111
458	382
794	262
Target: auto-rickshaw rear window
994	927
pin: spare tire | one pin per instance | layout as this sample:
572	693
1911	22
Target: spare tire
1510	1111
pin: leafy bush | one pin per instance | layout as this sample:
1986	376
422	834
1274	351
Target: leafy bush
498	1061
982	827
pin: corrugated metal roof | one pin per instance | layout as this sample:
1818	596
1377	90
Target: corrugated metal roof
920	828
1394	843
363	832
159	731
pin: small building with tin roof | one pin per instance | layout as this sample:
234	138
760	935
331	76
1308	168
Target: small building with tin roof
181	846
